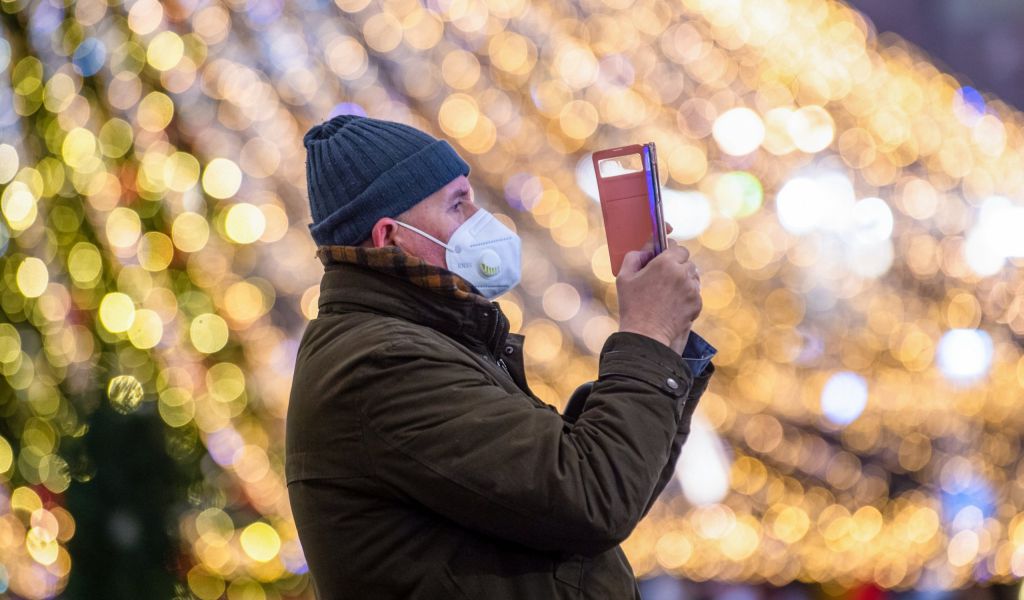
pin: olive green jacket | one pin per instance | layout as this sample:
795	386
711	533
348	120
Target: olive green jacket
420	465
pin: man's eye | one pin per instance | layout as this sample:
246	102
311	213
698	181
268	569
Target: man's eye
457	204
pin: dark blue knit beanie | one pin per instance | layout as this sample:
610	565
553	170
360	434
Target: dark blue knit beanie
360	169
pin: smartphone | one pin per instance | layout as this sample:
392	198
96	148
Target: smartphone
654	198
630	195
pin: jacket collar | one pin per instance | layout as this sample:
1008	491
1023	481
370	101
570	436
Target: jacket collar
388	281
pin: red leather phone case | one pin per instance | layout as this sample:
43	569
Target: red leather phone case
625	205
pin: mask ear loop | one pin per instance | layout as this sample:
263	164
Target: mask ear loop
427	235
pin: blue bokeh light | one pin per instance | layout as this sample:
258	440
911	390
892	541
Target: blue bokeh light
263	12
5	238
972	98
970	491
5	54
514	190
965	355
347	108
844	397
969	106
47	16
89	56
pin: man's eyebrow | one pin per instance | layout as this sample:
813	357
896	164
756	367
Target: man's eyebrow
459	194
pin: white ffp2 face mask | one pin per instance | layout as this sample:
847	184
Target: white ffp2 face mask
484	252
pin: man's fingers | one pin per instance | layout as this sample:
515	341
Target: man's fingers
634	260
679	253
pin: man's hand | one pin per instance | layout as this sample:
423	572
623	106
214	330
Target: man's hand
659	296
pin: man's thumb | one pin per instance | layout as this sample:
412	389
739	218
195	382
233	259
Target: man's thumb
633	261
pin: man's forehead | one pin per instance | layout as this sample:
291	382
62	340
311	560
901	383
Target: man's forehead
455	190
453	193
457	186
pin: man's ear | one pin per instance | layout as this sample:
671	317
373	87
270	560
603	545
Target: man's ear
383	232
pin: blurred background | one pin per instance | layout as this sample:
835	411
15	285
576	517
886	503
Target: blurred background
850	184
981	43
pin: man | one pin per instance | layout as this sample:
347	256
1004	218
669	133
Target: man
419	464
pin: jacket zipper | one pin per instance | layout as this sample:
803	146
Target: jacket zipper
501	363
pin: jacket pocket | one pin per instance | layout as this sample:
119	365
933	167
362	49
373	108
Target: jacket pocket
488	570
452	588
570	571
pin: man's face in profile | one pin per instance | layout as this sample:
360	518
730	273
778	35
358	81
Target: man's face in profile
439	214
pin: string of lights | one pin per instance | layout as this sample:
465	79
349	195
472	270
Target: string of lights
853	210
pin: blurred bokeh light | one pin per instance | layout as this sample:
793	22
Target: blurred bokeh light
855	212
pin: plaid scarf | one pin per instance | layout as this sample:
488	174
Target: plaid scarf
393	261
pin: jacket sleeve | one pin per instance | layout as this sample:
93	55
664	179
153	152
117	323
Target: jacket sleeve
578	402
682	433
443	434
